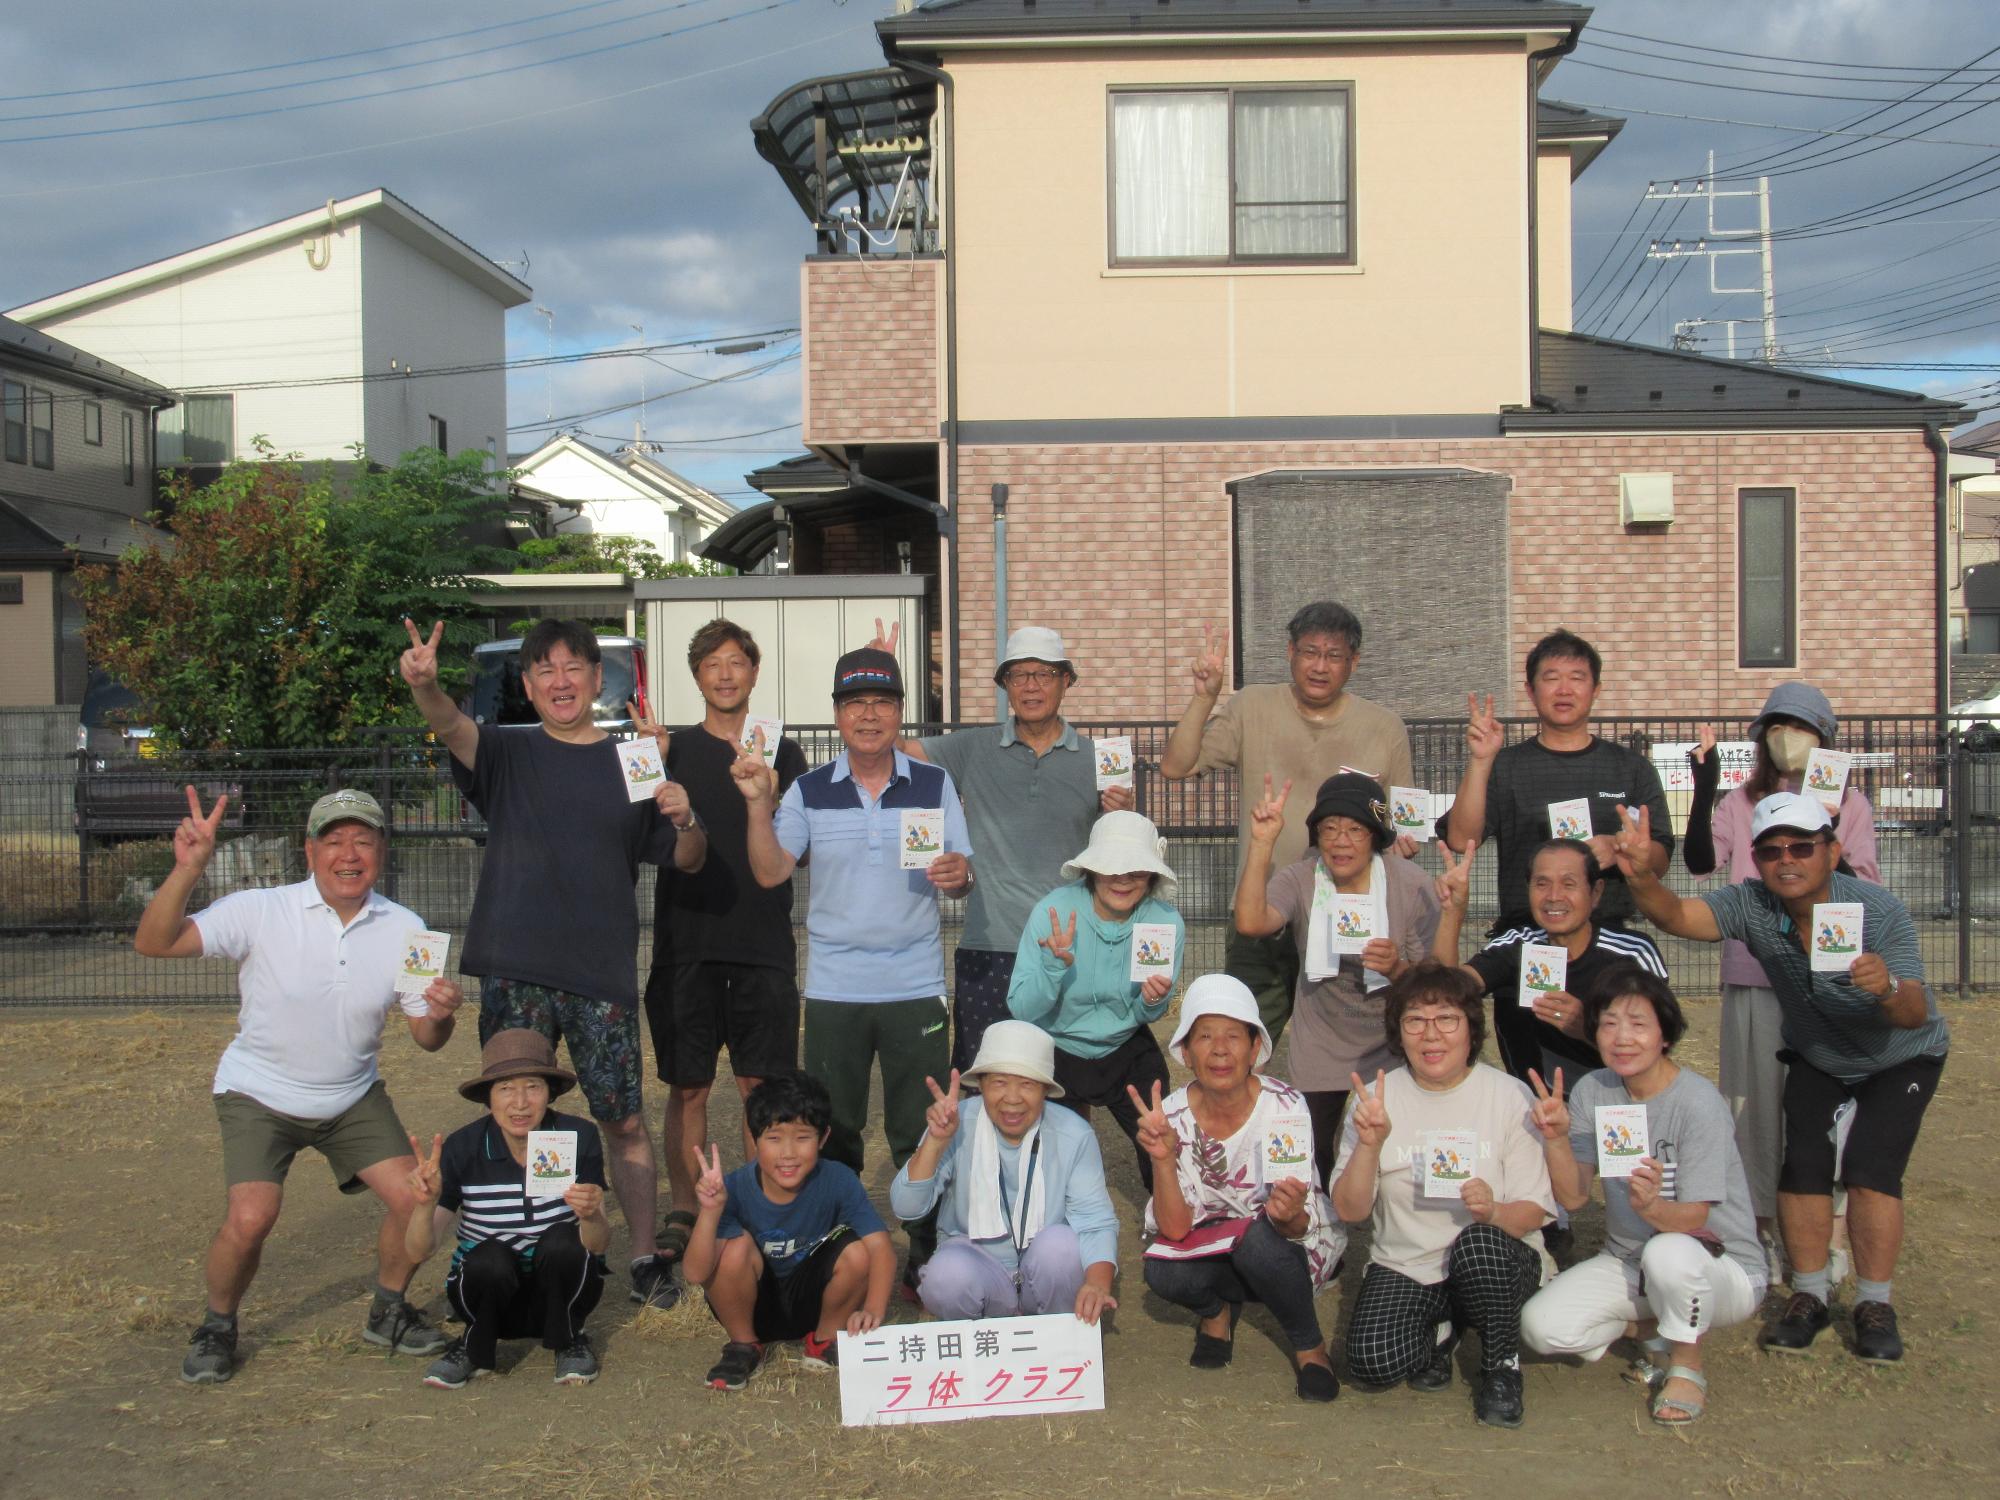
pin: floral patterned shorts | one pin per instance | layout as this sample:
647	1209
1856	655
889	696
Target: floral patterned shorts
603	1038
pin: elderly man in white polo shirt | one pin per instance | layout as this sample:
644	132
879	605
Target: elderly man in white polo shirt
317	966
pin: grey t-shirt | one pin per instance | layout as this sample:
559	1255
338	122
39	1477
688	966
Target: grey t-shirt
1691	1135
1027	814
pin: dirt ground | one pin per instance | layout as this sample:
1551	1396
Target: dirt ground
113	1194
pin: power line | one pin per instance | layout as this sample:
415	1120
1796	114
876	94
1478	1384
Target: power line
1815	62
643	402
1747	88
1993	73
1825	130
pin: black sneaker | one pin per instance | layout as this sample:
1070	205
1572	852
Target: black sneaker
1805	1317
1498	1401
401	1329
1437	1375
653	1283
211	1356
738	1363
452	1369
576	1365
1875	1337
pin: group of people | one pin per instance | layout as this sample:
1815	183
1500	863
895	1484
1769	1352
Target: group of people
1465	1172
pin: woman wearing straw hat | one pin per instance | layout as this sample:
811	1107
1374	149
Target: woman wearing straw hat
527	1263
1025	1221
1235	1213
1073	971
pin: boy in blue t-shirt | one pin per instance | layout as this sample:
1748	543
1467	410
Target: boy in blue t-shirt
787	1246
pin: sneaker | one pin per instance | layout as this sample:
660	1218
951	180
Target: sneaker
1875	1337
402	1329
653	1282
820	1354
452	1369
211	1356
1498	1401
738	1363
576	1365
1437	1375
1805	1317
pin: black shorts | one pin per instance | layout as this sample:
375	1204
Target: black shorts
1888	1109
788	1306
1137	1061
694	1010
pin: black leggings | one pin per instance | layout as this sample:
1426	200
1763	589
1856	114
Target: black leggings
1085	1081
548	1298
1263	1267
1326	1107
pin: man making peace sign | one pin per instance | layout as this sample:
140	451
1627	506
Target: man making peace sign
317	965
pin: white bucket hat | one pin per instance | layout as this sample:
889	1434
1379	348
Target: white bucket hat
1033	643
1125	843
1020	1048
1220	995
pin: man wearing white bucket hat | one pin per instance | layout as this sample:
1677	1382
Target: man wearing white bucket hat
1074	968
1026	1223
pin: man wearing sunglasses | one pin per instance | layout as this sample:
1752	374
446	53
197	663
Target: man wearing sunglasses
1864	1050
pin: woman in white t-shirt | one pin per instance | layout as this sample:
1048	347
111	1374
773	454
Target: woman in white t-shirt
1443	1155
1681	1246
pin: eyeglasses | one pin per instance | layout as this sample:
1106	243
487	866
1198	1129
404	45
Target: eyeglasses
1323	658
1353	833
1033	678
1446	1025
1796	850
868	707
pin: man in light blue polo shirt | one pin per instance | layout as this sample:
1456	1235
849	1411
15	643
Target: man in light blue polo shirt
874	958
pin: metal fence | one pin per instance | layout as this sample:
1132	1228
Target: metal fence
83	844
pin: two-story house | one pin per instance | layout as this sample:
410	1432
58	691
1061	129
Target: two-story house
358	322
76	485
630	494
1158	312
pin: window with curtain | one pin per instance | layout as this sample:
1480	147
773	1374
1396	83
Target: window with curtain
1231	175
1766	579
42	428
201	430
93	424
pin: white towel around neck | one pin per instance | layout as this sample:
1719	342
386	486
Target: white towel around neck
1321	961
985	1220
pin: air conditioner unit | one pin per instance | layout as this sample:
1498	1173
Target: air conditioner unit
1646	499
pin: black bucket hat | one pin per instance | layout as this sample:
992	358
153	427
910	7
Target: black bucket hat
1352	795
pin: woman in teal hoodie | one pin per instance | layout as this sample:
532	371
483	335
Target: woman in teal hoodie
1096	965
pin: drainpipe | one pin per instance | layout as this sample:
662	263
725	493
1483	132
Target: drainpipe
1562	48
1000	585
1940	511
949	605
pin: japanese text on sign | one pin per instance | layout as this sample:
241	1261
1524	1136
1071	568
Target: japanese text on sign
949	1372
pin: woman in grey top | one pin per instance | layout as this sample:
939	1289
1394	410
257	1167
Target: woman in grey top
1681	1251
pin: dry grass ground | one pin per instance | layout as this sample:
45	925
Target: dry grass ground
114	1187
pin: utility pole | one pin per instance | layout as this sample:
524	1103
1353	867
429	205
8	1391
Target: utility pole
1768	352
639	421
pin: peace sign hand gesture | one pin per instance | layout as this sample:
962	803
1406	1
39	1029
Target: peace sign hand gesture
1631	849
426	1180
756	781
194	840
941	1119
642	723
885	640
1211	664
1550	1115
1483	735
1061	941
1371	1115
419	664
1267	818
1454	886
709	1193
1156	1136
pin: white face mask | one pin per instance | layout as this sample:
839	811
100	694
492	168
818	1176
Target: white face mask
1790	746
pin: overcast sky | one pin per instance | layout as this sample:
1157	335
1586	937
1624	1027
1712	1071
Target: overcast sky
627	182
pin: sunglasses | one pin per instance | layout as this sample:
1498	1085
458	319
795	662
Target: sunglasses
1795	850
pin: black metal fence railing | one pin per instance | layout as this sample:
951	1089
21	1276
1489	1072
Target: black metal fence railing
85	841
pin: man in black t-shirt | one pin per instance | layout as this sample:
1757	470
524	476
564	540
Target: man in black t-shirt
1565	782
724	964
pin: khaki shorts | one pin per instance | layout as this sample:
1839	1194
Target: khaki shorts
258	1144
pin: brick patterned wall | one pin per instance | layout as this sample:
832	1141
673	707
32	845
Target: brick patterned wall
871	350
1127	550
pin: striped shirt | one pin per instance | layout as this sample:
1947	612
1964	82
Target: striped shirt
1524	1036
1834	1025
489	1189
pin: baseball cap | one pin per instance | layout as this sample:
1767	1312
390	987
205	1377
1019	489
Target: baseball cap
1791	810
866	671
339	807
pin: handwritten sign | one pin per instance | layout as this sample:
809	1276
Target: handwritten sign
976	1367
1738	758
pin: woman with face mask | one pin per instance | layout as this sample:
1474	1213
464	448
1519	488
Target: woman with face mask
1797	720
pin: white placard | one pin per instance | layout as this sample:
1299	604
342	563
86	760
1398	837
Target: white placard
1544	969
424	955
1826	778
1352	923
551	1163
1738	757
1449	1162
1037	1366
1152	950
1288	1147
773	730
1836	936
1410	812
1570	820
644	770
1114	761
921	837
1621	1138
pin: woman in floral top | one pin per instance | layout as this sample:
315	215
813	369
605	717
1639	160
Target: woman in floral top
1235	1213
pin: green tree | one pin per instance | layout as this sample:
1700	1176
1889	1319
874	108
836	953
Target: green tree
274	621
592	552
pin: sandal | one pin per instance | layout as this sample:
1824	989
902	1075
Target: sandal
1689	1411
1212	1353
674	1235
1650	1367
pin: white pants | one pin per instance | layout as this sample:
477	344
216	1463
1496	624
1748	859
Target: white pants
1691	1293
1753	1081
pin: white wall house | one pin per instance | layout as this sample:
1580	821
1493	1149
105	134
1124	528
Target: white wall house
316	332
624	495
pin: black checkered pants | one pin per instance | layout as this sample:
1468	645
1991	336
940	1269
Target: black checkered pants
1488	1276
